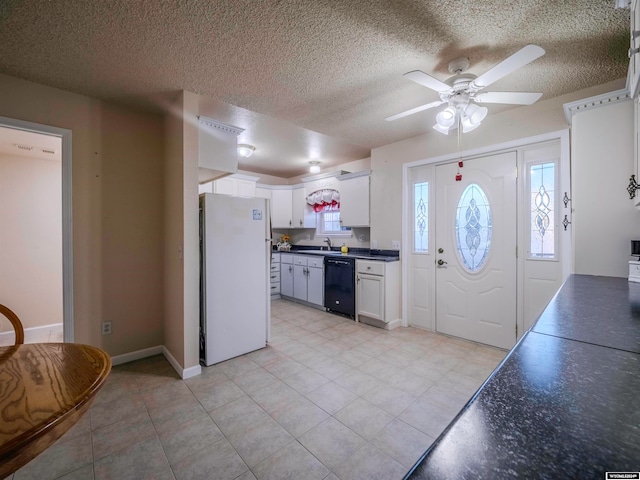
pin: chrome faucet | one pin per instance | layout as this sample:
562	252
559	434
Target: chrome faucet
328	242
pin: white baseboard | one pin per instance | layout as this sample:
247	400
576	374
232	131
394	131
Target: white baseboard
137	355
150	352
34	334
183	372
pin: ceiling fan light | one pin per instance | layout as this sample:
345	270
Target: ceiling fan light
449	113
439	128
475	113
245	150
446	117
468	125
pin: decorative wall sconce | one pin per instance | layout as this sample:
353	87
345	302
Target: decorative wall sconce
633	186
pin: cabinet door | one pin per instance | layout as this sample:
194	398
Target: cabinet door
246	188
225	186
354	202
303	214
286	279
371	296
263	193
300	282
315	286
281	209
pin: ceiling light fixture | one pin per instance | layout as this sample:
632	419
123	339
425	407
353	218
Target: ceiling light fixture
245	150
468	115
314	166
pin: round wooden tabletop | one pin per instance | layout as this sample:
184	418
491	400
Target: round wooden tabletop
44	390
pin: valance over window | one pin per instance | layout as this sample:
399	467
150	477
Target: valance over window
320	199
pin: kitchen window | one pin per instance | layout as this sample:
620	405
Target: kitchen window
329	223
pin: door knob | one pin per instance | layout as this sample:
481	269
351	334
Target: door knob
441	262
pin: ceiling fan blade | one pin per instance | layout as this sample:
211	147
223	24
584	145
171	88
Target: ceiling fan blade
516	98
427	81
414	110
509	65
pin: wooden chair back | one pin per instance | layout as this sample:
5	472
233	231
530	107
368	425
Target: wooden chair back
15	321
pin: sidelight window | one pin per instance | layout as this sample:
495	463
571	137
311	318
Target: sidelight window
473	227
542	180
421	217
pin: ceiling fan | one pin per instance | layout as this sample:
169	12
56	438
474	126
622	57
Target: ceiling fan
462	91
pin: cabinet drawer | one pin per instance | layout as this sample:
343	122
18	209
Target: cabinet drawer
275	277
370	267
275	267
316	261
275	288
300	260
275	258
286	258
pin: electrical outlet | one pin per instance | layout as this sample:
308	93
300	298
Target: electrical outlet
106	328
395	244
361	238
374	244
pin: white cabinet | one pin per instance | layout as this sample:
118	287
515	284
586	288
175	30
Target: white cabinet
308	279
286	275
274	275
378	293
354	199
236	186
281	211
263	192
303	214
315	282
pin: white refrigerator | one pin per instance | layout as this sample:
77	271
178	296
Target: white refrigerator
235	256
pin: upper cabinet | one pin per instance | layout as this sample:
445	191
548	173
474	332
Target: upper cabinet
217	149
354	199
236	185
281	207
302	213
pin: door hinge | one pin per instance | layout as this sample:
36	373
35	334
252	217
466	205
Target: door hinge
516	251
516	330
516	173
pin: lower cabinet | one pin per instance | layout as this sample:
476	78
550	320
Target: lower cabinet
275	275
303	279
378	293
286	275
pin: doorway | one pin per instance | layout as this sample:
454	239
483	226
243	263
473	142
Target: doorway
483	255
476	250
42	143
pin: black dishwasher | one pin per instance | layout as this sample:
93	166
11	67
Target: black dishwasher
340	285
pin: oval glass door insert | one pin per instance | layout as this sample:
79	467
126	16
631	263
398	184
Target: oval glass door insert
473	227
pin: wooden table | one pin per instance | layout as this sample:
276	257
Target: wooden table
44	390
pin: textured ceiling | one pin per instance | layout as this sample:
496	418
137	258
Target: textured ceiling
329	66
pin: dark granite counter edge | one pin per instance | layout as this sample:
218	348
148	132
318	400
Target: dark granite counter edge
362	253
418	469
443	434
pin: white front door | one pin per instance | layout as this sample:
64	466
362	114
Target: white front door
475	249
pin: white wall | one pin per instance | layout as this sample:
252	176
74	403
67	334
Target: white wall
117	211
31	240
386	162
604	219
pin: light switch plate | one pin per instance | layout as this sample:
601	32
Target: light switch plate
374	244
395	244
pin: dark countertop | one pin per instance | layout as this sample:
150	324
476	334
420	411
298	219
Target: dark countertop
565	402
358	253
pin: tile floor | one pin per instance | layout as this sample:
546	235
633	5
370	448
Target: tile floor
327	399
